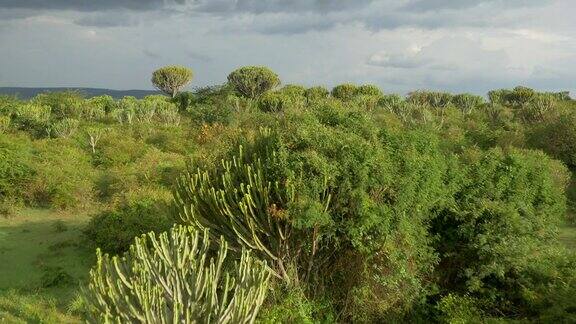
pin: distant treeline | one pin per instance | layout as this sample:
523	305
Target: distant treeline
28	93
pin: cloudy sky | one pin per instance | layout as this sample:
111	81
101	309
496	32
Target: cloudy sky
400	45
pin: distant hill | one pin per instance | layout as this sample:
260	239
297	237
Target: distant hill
27	93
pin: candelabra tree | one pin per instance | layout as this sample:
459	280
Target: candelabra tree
176	277
238	202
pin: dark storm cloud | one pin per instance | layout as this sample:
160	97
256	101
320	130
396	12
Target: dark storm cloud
276	6
435	5
81	5
211	6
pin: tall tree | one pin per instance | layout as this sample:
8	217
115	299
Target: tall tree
171	79
253	81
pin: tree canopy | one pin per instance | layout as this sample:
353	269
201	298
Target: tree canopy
253	81
171	79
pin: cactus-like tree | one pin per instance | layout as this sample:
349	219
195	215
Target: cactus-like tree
243	203
171	79
253	81
176	277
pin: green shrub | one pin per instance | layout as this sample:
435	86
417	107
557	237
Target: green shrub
170	140
125	110
274	102
55	277
433	99
344	92
64	175
290	305
467	102
369	90
293	90
506	210
316	93
548	287
459	310
391	102
4	124
99	106
247	197
119	148
65	127
114	230
96	108
64	104
211	113
557	138
33	118
184	100
16	168
8	104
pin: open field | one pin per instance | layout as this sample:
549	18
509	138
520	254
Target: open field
42	261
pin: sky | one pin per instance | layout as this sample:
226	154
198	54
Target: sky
399	45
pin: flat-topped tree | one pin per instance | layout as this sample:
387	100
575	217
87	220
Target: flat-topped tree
171	79
253	81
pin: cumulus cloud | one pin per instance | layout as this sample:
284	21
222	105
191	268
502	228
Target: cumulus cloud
400	45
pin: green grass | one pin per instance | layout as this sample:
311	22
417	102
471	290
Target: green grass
42	262
567	236
16	307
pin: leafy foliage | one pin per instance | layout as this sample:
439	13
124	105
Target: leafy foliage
113	231
344	91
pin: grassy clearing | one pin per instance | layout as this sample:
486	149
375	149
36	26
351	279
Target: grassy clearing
567	236
42	260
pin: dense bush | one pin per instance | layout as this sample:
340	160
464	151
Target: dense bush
16	169
67	104
274	102
114	230
211	113
64	176
505	211
369	90
344	91
557	137
118	148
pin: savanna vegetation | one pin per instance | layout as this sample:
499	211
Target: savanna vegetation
253	201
